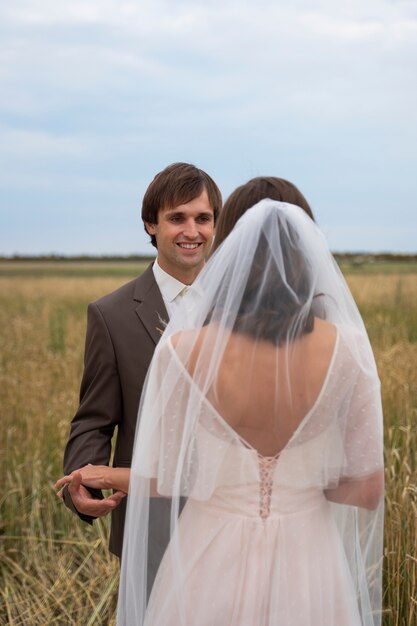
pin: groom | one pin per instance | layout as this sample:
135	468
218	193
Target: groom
179	211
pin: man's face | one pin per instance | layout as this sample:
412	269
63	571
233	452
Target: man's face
184	236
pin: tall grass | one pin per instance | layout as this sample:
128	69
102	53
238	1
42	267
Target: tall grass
57	570
389	307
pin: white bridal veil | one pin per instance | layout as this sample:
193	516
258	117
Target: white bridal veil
262	412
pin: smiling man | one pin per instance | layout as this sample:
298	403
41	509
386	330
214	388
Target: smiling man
179	211
179	215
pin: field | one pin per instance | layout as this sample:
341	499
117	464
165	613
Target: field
56	570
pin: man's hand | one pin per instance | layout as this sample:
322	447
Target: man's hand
84	501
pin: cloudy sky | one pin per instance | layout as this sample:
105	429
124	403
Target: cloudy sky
99	95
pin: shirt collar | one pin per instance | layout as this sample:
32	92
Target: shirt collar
169	286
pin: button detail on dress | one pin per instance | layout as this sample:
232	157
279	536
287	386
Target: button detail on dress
266	469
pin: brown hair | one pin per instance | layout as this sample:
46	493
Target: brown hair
275	304
177	184
252	192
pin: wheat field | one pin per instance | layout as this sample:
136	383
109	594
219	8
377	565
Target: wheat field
55	569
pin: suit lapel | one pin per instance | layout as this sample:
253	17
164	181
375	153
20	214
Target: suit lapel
150	308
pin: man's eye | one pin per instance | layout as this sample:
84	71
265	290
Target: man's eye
204	218
175	218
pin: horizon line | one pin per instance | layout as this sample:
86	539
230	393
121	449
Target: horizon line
53	256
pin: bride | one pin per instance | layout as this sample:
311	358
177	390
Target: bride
262	408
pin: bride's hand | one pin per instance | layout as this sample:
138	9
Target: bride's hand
96	476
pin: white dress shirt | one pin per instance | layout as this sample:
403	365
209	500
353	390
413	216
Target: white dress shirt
170	288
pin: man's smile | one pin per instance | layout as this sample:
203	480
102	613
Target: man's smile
189	246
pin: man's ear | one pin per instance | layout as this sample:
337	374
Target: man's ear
150	228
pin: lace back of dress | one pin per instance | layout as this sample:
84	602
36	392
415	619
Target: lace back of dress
266	471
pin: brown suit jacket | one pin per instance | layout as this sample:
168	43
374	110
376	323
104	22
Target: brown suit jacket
123	329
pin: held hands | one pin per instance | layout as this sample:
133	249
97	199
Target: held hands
96	476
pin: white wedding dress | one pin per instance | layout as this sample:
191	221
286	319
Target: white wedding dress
270	342
260	545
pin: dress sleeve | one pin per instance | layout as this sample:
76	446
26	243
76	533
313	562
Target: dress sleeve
159	415
178	441
363	440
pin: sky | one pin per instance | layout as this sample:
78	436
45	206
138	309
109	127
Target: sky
97	96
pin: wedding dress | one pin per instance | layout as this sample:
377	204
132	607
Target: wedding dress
260	541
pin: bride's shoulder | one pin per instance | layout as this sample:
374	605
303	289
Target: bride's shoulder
189	344
187	338
350	342
330	331
194	337
324	331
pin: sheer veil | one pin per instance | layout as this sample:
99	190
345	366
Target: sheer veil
262	410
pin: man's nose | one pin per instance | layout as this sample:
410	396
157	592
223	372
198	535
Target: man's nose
190	229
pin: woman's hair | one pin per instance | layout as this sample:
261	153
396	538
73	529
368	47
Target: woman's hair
251	193
276	304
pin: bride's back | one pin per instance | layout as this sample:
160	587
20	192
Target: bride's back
263	391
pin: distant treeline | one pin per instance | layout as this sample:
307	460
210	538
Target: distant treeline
350	257
369	257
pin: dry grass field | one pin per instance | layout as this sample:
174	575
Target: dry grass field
56	570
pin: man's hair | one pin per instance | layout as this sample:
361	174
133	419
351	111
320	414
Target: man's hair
177	184
256	189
